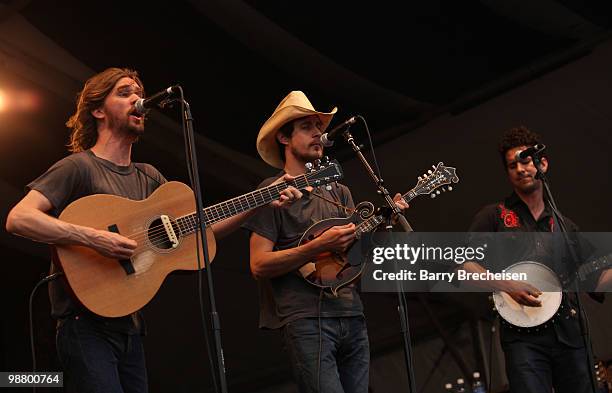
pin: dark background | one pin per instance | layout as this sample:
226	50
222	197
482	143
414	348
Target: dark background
436	81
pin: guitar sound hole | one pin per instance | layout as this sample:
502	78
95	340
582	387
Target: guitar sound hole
157	234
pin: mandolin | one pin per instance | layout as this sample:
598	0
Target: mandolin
331	271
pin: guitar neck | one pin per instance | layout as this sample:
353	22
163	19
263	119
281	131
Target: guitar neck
219	212
591	267
371	223
410	195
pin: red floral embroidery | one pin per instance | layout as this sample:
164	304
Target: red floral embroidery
551	224
509	217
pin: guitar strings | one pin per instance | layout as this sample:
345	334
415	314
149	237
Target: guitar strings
218	206
156	234
211	217
159	240
159	236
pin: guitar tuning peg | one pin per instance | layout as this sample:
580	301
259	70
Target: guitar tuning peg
425	175
443	189
434	167
429	172
308	166
420	178
325	159
450	188
438	192
328	187
433	196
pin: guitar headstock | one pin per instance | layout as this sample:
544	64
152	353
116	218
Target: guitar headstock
323	172
435	180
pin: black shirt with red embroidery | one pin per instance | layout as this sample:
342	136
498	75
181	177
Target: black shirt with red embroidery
513	215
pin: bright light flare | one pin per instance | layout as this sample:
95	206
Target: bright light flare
2	101
19	100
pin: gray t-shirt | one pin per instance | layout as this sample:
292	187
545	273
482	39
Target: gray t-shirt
289	297
83	174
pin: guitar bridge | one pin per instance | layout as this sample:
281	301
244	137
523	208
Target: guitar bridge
126	264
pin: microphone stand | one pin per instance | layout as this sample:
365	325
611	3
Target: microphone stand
195	180
563	229
402	305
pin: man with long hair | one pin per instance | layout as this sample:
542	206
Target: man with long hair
98	354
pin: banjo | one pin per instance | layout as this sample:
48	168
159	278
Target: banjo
543	278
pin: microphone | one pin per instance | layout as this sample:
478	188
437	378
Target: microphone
530	151
144	104
329	137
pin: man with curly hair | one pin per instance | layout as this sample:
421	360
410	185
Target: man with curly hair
552	356
98	354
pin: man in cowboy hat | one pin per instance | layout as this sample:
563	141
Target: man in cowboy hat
325	336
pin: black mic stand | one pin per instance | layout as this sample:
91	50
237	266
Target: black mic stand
192	161
402	306
574	258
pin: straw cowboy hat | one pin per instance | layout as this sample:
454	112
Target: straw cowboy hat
292	107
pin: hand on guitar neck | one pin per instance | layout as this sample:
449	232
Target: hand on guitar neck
288	195
401	203
285	200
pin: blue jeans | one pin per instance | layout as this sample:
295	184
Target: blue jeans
95	359
335	361
537	368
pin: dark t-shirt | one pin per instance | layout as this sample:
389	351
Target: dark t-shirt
513	215
83	174
289	297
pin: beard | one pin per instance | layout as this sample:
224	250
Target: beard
125	126
308	156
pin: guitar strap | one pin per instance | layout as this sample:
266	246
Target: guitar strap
348	210
146	174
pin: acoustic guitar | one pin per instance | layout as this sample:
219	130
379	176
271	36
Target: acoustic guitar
164	226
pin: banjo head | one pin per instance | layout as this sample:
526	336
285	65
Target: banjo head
541	277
